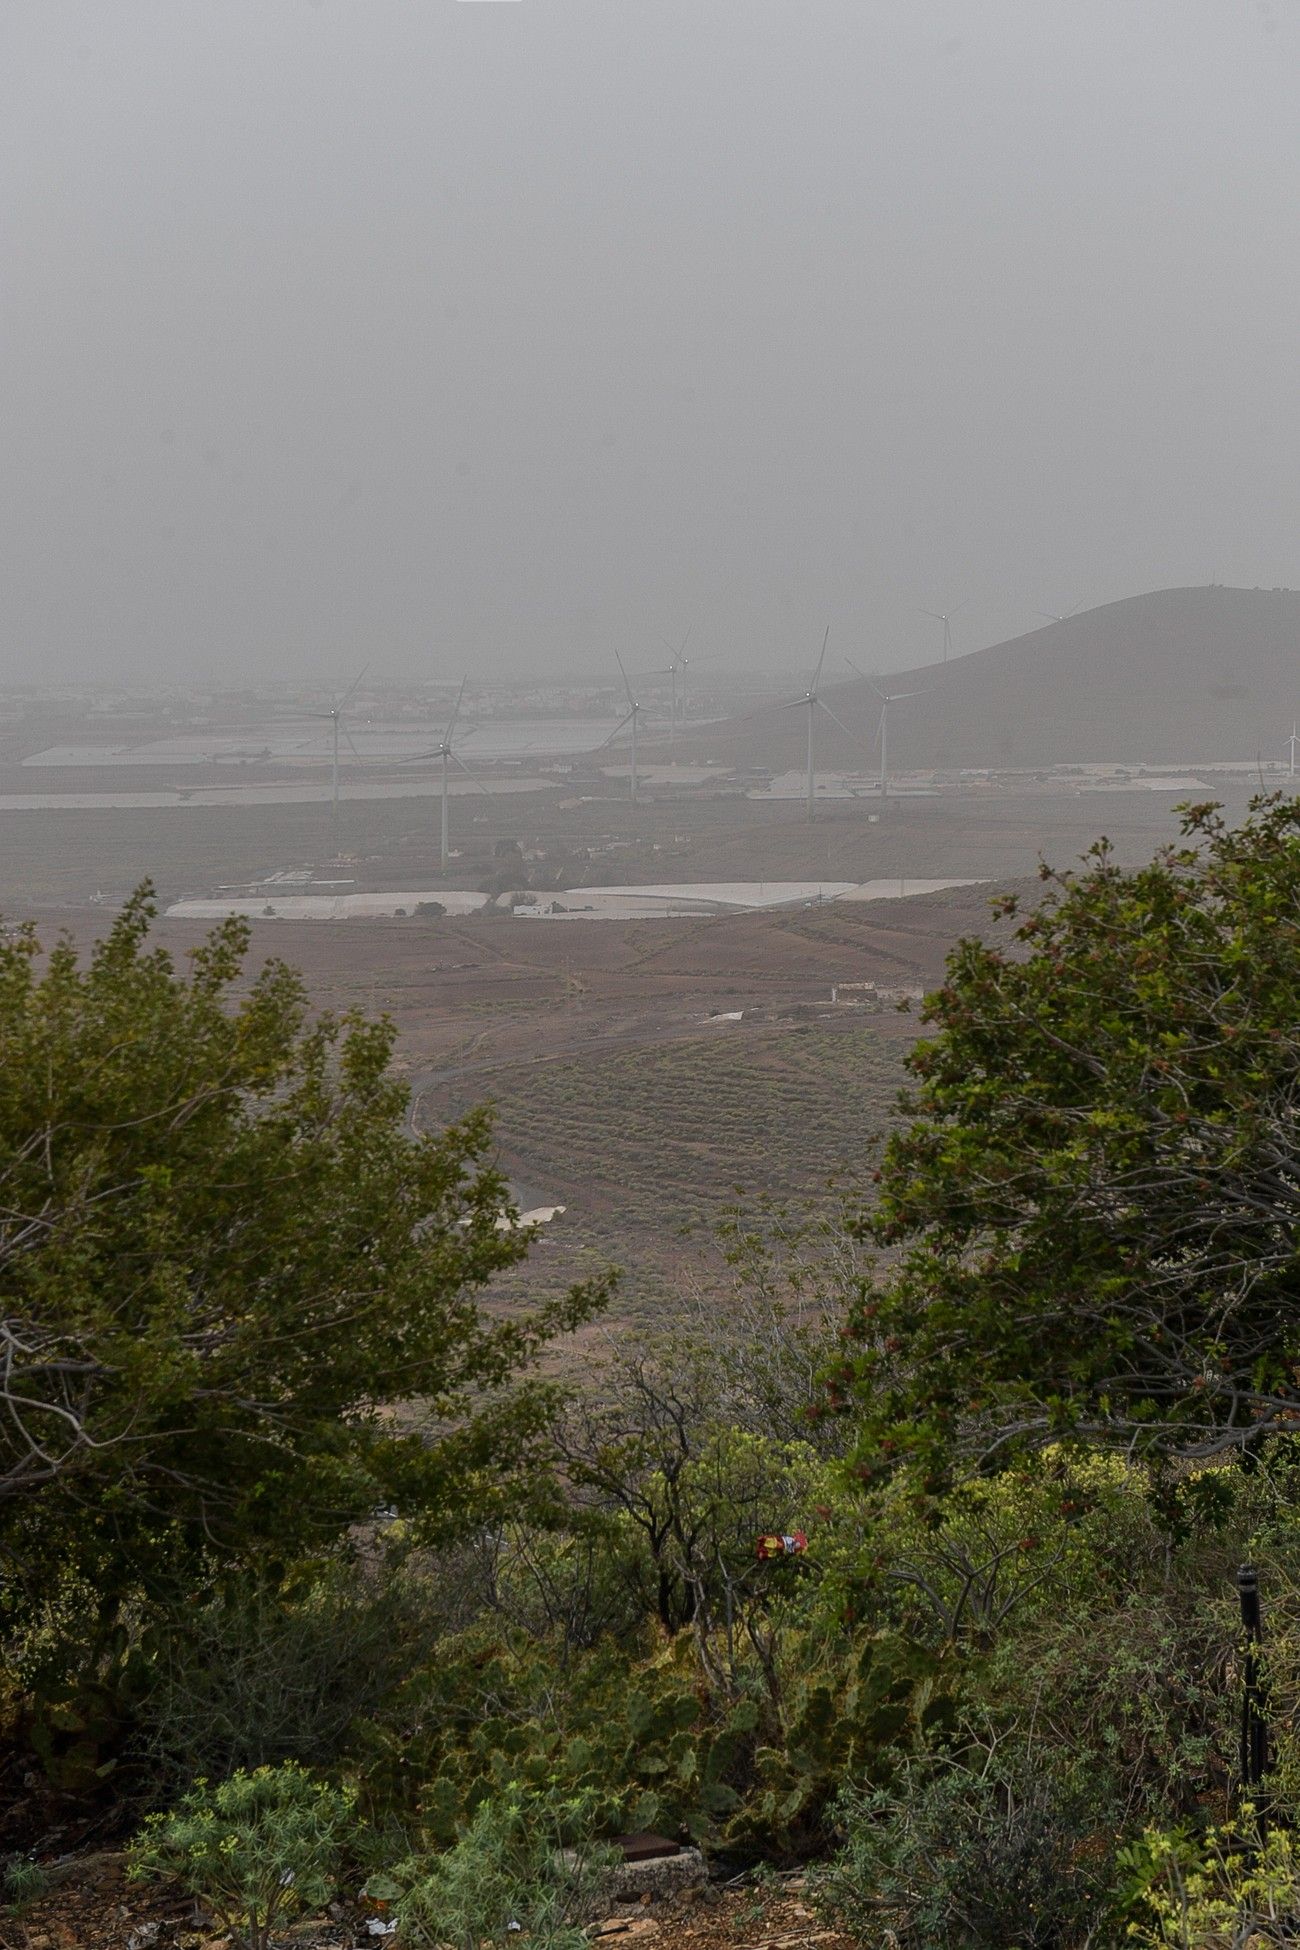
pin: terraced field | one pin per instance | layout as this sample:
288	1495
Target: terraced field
646	1147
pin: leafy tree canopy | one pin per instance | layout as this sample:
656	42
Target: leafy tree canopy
225	1259
1096	1199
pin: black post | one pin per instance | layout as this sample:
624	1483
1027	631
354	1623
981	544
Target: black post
1254	1727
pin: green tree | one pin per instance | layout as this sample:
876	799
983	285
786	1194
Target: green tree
239	1298
1096	1200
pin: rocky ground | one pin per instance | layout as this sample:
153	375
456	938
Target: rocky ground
92	1907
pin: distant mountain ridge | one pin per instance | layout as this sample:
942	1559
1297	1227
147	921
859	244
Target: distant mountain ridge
1175	676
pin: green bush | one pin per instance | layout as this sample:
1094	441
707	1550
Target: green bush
1066	1598
1226	1889
1003	1856
22	1883
256	1849
749	1766
527	1865
1064	1533
261	1674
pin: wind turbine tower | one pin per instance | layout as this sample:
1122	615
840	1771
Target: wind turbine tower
886	699
633	714
945	617
333	718
812	702
448	757
809	702
669	670
443	752
676	668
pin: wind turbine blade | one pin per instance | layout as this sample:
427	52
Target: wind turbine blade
677	651
937	614
620	726
352	748
477	783
867	680
812	688
1049	616
455	712
351	692
626	686
844	728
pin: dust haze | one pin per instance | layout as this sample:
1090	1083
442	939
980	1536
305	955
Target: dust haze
452	335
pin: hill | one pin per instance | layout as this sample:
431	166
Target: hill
1178	676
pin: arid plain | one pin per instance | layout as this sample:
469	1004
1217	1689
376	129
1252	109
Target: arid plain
645	1075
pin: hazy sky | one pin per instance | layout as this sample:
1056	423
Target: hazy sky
494	333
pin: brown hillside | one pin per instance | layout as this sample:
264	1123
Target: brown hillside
1177	676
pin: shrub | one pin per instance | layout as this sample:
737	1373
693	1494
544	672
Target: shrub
576	1585
957	1857
23	1882
1225	1891
256	1850
527	1865
1072	1616
263	1674
749	1764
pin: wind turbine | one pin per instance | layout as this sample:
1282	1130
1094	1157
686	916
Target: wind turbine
679	661
332	718
809	702
668	670
451	757
886	699
1293	741
943	616
631	718
445	753
812	702
1053	616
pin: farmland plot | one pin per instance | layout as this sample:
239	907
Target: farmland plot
648	1147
